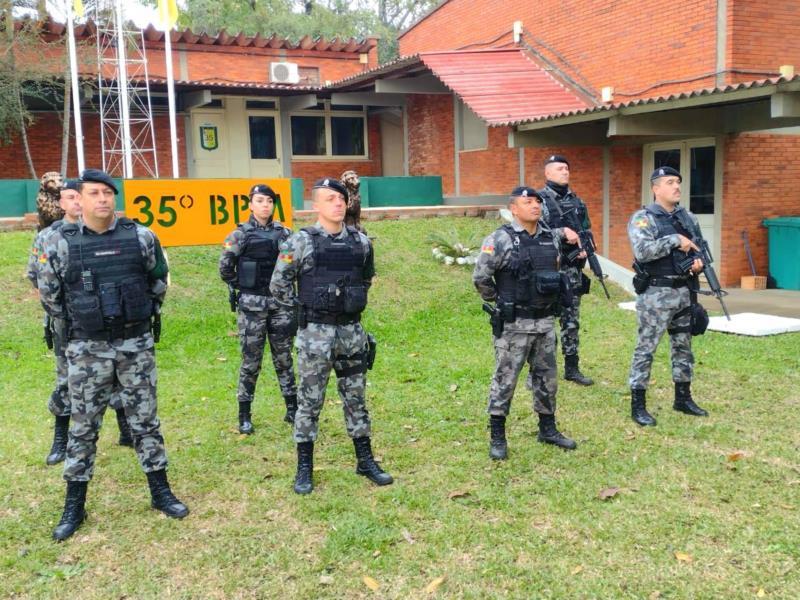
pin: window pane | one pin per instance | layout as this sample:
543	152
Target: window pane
667	158
260	104
701	194
474	131
348	107
262	137
308	136
347	135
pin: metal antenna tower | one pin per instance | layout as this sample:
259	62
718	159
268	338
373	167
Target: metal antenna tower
126	114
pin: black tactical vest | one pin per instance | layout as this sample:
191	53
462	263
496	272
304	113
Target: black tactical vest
570	212
335	286
106	282
531	280
666	224
258	258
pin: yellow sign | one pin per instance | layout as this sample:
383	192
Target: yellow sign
195	212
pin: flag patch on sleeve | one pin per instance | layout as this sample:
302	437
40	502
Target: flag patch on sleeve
487	249
641	222
286	256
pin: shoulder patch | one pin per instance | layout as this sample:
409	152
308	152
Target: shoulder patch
227	245
641	222
488	248
286	256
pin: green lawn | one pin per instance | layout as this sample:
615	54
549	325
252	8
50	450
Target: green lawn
532	526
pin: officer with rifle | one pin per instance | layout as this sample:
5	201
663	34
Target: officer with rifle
667	263
518	270
562	208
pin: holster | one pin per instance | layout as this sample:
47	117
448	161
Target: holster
641	279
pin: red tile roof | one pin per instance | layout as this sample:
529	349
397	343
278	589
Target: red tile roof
502	85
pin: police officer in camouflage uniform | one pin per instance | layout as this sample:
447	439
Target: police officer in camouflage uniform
107	277
562	208
70	204
518	269
333	266
248	259
666	274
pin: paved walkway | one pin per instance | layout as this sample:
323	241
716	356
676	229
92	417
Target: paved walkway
781	303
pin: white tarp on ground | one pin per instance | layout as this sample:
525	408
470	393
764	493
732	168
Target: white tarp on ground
754	324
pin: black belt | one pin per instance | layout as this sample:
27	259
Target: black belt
117	333
668	282
521	312
342	319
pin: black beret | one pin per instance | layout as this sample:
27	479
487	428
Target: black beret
262	188
98	176
331	184
556	158
665	172
525	192
71	184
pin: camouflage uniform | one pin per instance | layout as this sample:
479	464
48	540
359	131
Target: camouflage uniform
260	318
58	404
322	347
658	306
523	340
569	318
96	366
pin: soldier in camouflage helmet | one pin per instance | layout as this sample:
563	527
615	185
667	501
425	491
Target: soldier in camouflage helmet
248	259
107	277
665	271
518	270
333	266
70	204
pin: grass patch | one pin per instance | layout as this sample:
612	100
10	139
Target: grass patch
532	526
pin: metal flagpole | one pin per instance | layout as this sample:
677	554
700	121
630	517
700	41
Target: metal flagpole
76	94
122	81
173	133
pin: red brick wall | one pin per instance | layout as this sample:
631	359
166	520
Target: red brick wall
491	171
751	172
627	44
431	138
762	36
625	198
310	170
44	137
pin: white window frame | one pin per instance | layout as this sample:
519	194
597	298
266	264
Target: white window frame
327	112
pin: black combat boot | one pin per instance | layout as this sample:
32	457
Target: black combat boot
684	402
498	448
367	465
291	408
573	373
548	433
638	411
74	510
162	497
58	451
245	426
303	483
125	438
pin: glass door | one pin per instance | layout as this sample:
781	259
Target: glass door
265	144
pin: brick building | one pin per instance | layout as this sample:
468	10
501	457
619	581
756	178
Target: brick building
695	84
485	90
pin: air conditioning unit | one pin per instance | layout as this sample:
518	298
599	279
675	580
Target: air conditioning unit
284	72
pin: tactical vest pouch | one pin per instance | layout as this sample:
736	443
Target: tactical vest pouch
138	306
248	273
110	301
86	313
326	298
567	297
548	283
355	298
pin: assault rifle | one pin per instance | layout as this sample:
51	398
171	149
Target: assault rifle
495	319
586	245
704	254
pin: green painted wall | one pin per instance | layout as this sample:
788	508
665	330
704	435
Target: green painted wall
401	191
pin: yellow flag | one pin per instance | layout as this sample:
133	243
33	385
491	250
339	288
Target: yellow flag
167	13
77	6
